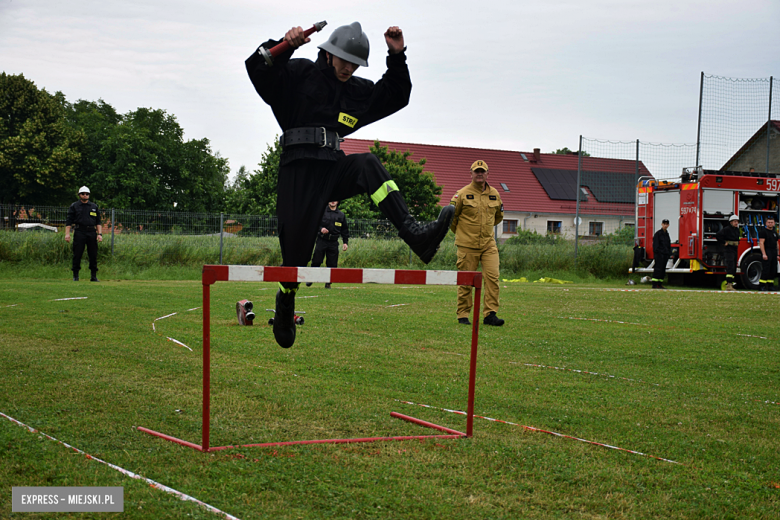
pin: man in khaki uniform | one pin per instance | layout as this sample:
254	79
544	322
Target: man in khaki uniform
478	208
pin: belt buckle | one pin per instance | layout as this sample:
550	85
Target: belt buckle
324	137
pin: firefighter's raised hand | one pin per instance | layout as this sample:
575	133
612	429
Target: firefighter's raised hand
296	38
394	37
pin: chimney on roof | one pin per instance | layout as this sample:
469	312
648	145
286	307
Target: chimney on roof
536	154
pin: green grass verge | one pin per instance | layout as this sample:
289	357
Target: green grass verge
154	256
692	377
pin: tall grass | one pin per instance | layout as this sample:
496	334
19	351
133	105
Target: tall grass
137	256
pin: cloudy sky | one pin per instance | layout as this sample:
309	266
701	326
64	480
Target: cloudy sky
511	75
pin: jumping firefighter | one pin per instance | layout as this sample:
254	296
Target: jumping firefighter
316	104
729	238
662	251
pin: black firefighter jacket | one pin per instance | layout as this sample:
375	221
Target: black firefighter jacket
303	93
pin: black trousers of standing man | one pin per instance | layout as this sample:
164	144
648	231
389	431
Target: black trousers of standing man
83	239
328	249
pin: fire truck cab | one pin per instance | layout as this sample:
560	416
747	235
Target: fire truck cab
699	206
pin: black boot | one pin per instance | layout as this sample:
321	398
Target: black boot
75	276
492	319
93	278
424	239
284	319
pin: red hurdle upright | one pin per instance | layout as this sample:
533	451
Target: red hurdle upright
252	273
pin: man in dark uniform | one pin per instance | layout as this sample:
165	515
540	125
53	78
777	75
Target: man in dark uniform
728	237
662	251
333	226
85	216
316	104
767	241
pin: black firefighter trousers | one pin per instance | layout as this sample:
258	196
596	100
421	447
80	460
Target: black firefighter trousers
305	186
80	240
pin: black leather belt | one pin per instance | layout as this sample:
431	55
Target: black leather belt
329	237
310	135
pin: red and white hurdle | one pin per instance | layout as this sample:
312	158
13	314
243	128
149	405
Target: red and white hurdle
251	273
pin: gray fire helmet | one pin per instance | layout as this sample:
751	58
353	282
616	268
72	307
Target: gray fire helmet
349	43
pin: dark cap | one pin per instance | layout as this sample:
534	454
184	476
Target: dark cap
665	221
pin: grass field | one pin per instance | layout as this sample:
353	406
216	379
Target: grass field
689	376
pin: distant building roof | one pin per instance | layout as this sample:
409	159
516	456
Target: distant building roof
759	133
527	181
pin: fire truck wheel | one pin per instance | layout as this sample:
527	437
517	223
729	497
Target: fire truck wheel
751	271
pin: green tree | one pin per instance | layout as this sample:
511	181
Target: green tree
97	119
418	187
566	151
40	152
141	161
256	193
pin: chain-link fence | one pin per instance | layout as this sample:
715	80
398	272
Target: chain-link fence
609	172
735	120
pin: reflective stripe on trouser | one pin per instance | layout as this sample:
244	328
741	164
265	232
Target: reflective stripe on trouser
659	269
769	268
384	190
469	260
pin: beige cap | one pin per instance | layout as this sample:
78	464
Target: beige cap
479	165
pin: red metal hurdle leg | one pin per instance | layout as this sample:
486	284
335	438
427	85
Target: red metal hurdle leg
214	273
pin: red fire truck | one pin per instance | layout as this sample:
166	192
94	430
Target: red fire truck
697	207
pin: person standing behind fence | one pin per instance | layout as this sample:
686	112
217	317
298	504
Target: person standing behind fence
478	209
85	217
767	241
662	251
729	238
333	226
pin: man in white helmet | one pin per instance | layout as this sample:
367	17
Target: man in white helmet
316	104
85	217
728	237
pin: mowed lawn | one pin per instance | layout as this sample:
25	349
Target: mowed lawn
688	376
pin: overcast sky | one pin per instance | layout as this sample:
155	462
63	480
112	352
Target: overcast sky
509	75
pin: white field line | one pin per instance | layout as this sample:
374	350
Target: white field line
130	474
531	428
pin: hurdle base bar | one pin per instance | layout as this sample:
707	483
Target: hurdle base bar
450	434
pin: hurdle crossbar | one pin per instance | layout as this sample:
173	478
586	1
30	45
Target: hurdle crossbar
251	273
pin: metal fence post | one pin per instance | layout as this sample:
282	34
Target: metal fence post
221	232
698	131
636	175
577	212
768	121
113	226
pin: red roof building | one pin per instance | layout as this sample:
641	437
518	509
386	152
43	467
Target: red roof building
537	189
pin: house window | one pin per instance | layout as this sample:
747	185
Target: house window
554	226
510	226
504	187
596	228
